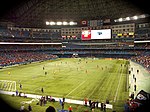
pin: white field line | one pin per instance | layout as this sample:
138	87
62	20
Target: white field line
75	88
15	85
93	91
118	86
10	86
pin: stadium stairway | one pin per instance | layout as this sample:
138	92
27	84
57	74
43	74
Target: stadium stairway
56	99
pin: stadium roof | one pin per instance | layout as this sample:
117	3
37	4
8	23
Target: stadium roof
34	13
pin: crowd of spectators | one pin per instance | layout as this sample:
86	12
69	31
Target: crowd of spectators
22	57
144	60
9	47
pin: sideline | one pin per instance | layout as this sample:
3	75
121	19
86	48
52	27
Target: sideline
80	102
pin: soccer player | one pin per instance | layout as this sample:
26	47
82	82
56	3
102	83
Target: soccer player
20	86
8	73
42	90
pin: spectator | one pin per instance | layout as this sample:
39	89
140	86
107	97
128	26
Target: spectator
22	108
50	109
63	99
70	109
85	101
29	108
16	92
104	107
134	87
63	105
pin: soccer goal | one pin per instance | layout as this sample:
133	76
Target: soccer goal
7	85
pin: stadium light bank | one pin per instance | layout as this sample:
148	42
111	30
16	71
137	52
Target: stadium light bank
132	18
52	23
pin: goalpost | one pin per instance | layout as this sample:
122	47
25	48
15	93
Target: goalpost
7	85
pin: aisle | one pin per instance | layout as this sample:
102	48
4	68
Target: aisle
142	80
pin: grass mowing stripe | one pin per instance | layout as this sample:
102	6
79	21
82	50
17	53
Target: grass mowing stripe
102	82
118	85
110	85
76	88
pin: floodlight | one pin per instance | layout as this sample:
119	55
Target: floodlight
52	23
71	23
120	19
65	23
59	23
127	18
47	23
135	17
115	20
142	16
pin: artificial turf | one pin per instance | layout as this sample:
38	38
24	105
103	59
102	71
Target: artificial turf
74	78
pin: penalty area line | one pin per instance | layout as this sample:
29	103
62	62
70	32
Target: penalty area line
75	88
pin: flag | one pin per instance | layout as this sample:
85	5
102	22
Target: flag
142	97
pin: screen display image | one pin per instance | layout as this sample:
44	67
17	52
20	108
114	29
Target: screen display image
101	34
86	35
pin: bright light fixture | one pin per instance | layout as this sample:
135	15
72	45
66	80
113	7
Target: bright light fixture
65	23
127	18
59	23
52	23
120	19
47	23
135	17
71	23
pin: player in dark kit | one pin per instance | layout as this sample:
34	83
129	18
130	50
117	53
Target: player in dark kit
42	90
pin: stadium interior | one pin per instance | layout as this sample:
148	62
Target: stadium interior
40	30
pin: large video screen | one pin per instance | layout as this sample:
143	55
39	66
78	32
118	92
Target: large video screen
101	34
96	34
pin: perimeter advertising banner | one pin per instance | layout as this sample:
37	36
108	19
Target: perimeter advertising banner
96	34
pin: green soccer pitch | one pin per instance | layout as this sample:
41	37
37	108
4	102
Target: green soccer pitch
74	78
